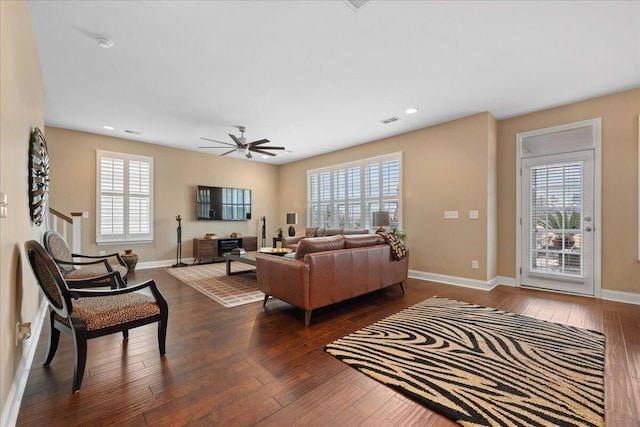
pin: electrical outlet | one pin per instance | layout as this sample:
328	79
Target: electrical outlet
474	264
450	214
85	214
474	214
102	253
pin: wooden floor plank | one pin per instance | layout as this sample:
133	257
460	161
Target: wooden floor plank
251	365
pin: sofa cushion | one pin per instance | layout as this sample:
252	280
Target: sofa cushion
319	244
332	231
310	232
362	240
320	232
349	231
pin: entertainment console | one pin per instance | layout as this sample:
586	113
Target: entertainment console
214	249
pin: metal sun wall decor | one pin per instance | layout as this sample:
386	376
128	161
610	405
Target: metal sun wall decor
38	176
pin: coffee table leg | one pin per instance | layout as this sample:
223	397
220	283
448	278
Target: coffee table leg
228	267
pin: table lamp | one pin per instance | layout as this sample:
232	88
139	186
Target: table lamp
292	219
380	220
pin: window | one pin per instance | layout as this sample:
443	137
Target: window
124	197
346	195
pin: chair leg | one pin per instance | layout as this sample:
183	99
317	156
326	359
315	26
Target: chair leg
54	339
402	286
79	334
162	335
125	334
266	297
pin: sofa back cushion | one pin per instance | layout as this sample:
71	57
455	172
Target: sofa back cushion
319	244
332	231
310	232
348	231
362	240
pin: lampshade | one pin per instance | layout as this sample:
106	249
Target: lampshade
292	218
380	219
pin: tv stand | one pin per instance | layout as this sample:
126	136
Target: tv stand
213	250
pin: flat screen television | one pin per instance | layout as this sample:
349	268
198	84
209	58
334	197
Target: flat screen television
223	203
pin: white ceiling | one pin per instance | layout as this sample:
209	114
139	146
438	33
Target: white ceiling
315	76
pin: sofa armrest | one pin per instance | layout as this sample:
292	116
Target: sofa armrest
291	242
284	278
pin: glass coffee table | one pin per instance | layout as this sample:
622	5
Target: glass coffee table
246	258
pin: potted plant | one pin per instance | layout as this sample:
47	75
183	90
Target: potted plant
279	233
401	234
562	221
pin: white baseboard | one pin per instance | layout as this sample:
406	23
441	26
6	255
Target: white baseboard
454	280
620	296
14	399
162	263
607	294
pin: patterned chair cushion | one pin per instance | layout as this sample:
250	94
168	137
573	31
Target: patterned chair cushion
88	271
102	312
60	250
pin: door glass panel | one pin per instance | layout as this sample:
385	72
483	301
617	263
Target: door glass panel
556	211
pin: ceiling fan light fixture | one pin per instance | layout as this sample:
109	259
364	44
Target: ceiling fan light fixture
104	42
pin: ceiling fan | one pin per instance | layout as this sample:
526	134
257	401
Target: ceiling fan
243	147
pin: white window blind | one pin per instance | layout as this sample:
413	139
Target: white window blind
124	197
346	195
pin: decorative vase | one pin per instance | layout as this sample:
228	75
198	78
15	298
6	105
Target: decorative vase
130	259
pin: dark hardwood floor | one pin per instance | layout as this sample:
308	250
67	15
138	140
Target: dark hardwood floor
251	366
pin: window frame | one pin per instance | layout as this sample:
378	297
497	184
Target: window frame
336	201
126	236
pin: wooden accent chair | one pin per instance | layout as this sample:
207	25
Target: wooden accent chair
89	313
98	266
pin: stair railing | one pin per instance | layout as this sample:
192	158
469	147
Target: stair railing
70	227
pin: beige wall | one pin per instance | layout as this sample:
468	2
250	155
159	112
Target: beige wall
445	167
176	175
619	223
21	109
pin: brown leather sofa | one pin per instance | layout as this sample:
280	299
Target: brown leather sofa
292	242
326	270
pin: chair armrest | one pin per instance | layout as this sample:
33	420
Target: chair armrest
113	276
105	262
106	257
89	293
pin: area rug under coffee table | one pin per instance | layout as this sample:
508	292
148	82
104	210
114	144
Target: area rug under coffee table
211	280
480	366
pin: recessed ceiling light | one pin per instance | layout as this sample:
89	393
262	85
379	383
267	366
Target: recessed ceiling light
265	157
107	127
104	42
411	110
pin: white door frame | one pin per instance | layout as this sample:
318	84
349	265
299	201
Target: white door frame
597	197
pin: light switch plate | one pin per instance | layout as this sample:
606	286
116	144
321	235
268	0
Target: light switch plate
451	214
474	214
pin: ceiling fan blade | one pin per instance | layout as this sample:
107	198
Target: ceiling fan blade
257	150
271	148
262	141
249	154
227	147
220	142
230	151
236	140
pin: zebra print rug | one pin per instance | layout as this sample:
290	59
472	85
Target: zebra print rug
483	367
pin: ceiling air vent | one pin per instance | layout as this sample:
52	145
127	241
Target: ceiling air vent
389	120
357	5
134	132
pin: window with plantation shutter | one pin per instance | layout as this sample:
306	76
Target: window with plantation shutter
124	197
346	195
